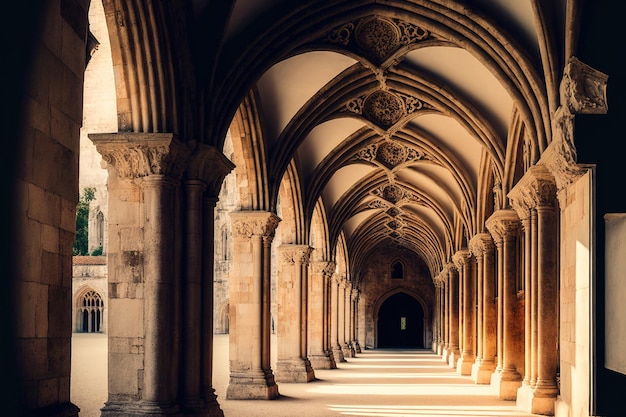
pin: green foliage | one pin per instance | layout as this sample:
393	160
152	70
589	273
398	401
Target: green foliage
81	241
97	251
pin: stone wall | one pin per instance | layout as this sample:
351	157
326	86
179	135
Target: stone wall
379	285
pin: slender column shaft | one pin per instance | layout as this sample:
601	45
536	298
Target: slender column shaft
547	299
528	290
533	296
489	307
454	310
208	246
159	271
192	292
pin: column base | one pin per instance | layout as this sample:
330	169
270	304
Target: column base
296	370
481	371
348	351
440	349
537	400
505	384
338	354
212	405
453	358
464	364
138	409
331	358
321	361
357	347
445	354
257	385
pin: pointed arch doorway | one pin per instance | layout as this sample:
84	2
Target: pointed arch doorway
401	322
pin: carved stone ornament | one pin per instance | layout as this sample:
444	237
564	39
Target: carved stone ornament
461	257
502	224
481	244
391	154
537	188
246	224
583	89
292	254
392	193
136	155
210	166
384	108
377	37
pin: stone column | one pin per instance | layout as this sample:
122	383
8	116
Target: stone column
503	226
344	318
207	169
355	321
483	249
317	320
335	317
329	271
453	293
462	259
250	374
536	192
144	177
443	277
292	365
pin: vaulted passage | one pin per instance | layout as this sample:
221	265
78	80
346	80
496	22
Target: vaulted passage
401	323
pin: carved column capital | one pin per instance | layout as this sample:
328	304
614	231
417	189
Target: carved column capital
137	155
461	257
503	223
292	254
481	244
209	165
537	188
253	223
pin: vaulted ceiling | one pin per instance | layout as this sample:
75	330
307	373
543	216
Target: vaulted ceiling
399	115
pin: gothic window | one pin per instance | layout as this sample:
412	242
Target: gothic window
224	244
397	270
91	312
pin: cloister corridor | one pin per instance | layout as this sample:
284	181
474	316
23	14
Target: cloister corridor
376	383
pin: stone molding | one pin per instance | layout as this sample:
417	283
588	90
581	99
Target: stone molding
503	223
246	224
137	155
537	188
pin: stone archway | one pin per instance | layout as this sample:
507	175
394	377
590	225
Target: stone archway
400	322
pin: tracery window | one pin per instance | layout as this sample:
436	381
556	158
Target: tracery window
91	312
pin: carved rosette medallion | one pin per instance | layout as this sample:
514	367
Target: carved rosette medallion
378	37
393	212
392	193
384	108
391	154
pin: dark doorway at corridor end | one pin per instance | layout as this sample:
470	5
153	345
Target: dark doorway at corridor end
401	323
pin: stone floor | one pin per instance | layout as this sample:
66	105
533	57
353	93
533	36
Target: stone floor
377	383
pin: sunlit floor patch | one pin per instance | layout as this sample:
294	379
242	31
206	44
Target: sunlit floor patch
407	411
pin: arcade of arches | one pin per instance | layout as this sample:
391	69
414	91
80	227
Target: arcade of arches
357	173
